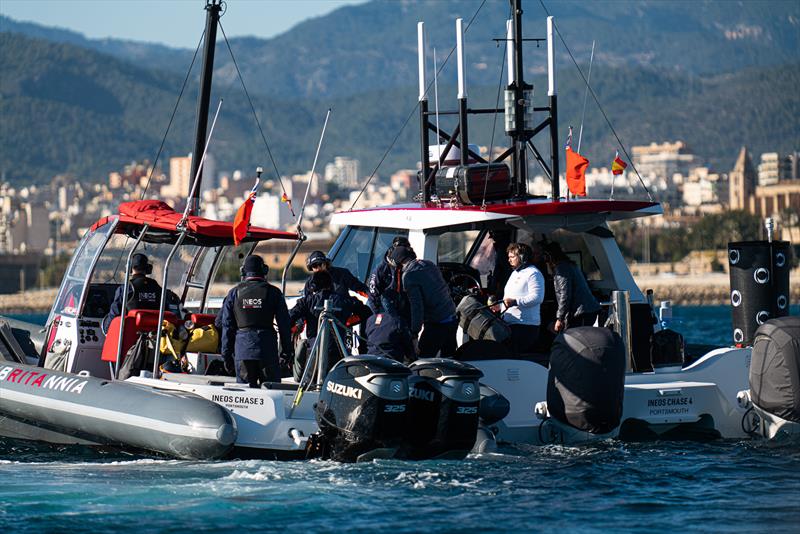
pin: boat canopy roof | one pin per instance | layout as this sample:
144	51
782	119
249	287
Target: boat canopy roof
433	215
163	226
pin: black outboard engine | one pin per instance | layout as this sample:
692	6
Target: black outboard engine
361	408
442	408
775	368
586	381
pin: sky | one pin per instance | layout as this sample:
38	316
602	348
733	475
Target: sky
176	23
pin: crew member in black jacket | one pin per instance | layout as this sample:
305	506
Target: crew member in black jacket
144	293
343	280
249	342
387	280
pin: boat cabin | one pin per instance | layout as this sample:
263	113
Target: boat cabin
186	253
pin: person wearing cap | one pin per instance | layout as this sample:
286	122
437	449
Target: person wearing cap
306	312
343	280
431	306
249	343
576	304
385	282
522	297
144	293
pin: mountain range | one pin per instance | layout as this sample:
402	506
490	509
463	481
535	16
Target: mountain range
716	74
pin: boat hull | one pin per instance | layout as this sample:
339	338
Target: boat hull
57	407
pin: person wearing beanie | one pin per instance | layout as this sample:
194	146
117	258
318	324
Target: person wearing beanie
249	343
343	280
386	281
432	310
306	311
144	293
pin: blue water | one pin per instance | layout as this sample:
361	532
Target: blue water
729	486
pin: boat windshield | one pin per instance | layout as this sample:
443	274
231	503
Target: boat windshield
360	249
109	271
454	246
68	300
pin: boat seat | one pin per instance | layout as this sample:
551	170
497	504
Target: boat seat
202	319
135	321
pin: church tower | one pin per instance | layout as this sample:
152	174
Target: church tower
742	181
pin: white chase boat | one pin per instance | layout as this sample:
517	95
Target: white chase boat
367	406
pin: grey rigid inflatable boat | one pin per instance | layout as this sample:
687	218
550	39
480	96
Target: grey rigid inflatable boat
42	404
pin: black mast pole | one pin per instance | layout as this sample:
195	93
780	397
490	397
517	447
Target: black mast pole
519	135
213	9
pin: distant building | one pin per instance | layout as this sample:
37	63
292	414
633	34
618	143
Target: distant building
704	187
661	161
343	172
774	168
742	181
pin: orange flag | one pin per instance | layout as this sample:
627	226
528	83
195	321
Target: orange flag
576	173
242	220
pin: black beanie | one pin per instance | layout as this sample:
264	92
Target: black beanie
401	254
254	266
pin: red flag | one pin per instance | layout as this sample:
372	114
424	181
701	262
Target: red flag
242	220
617	166
576	173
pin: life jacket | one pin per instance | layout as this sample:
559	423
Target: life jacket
146	294
253	307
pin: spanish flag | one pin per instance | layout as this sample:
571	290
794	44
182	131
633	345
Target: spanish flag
242	220
617	166
576	173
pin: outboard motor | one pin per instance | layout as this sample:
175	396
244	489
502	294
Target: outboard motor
362	409
775	368
492	409
586	381
442	408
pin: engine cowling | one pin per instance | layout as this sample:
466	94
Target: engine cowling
362	407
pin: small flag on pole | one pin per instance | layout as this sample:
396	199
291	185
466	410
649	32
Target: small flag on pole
576	169
617	166
288	200
242	220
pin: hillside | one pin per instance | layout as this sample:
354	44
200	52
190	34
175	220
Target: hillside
372	46
68	109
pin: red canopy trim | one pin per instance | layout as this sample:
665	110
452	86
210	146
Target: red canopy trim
161	216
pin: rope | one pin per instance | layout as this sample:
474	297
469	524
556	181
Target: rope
597	101
255	116
413	110
494	125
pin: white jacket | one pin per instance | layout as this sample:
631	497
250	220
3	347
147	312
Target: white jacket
526	286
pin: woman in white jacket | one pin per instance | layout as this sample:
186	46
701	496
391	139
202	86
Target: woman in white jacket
523	297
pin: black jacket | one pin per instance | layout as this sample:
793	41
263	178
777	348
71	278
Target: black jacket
428	295
144	293
343	282
259	342
572	292
308	308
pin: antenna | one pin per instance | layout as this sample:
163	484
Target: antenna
462	91
436	99
424	145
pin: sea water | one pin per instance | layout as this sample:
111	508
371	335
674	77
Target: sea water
737	486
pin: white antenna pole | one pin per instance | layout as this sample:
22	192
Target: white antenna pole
462	78
510	50
551	59
436	100
421	58
585	96
313	169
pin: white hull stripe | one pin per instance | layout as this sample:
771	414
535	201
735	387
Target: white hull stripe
147	423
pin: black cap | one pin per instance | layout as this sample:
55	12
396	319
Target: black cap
254	266
316	258
401	254
139	262
401	241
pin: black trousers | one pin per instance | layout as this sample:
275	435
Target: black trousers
523	338
256	372
438	337
584	319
